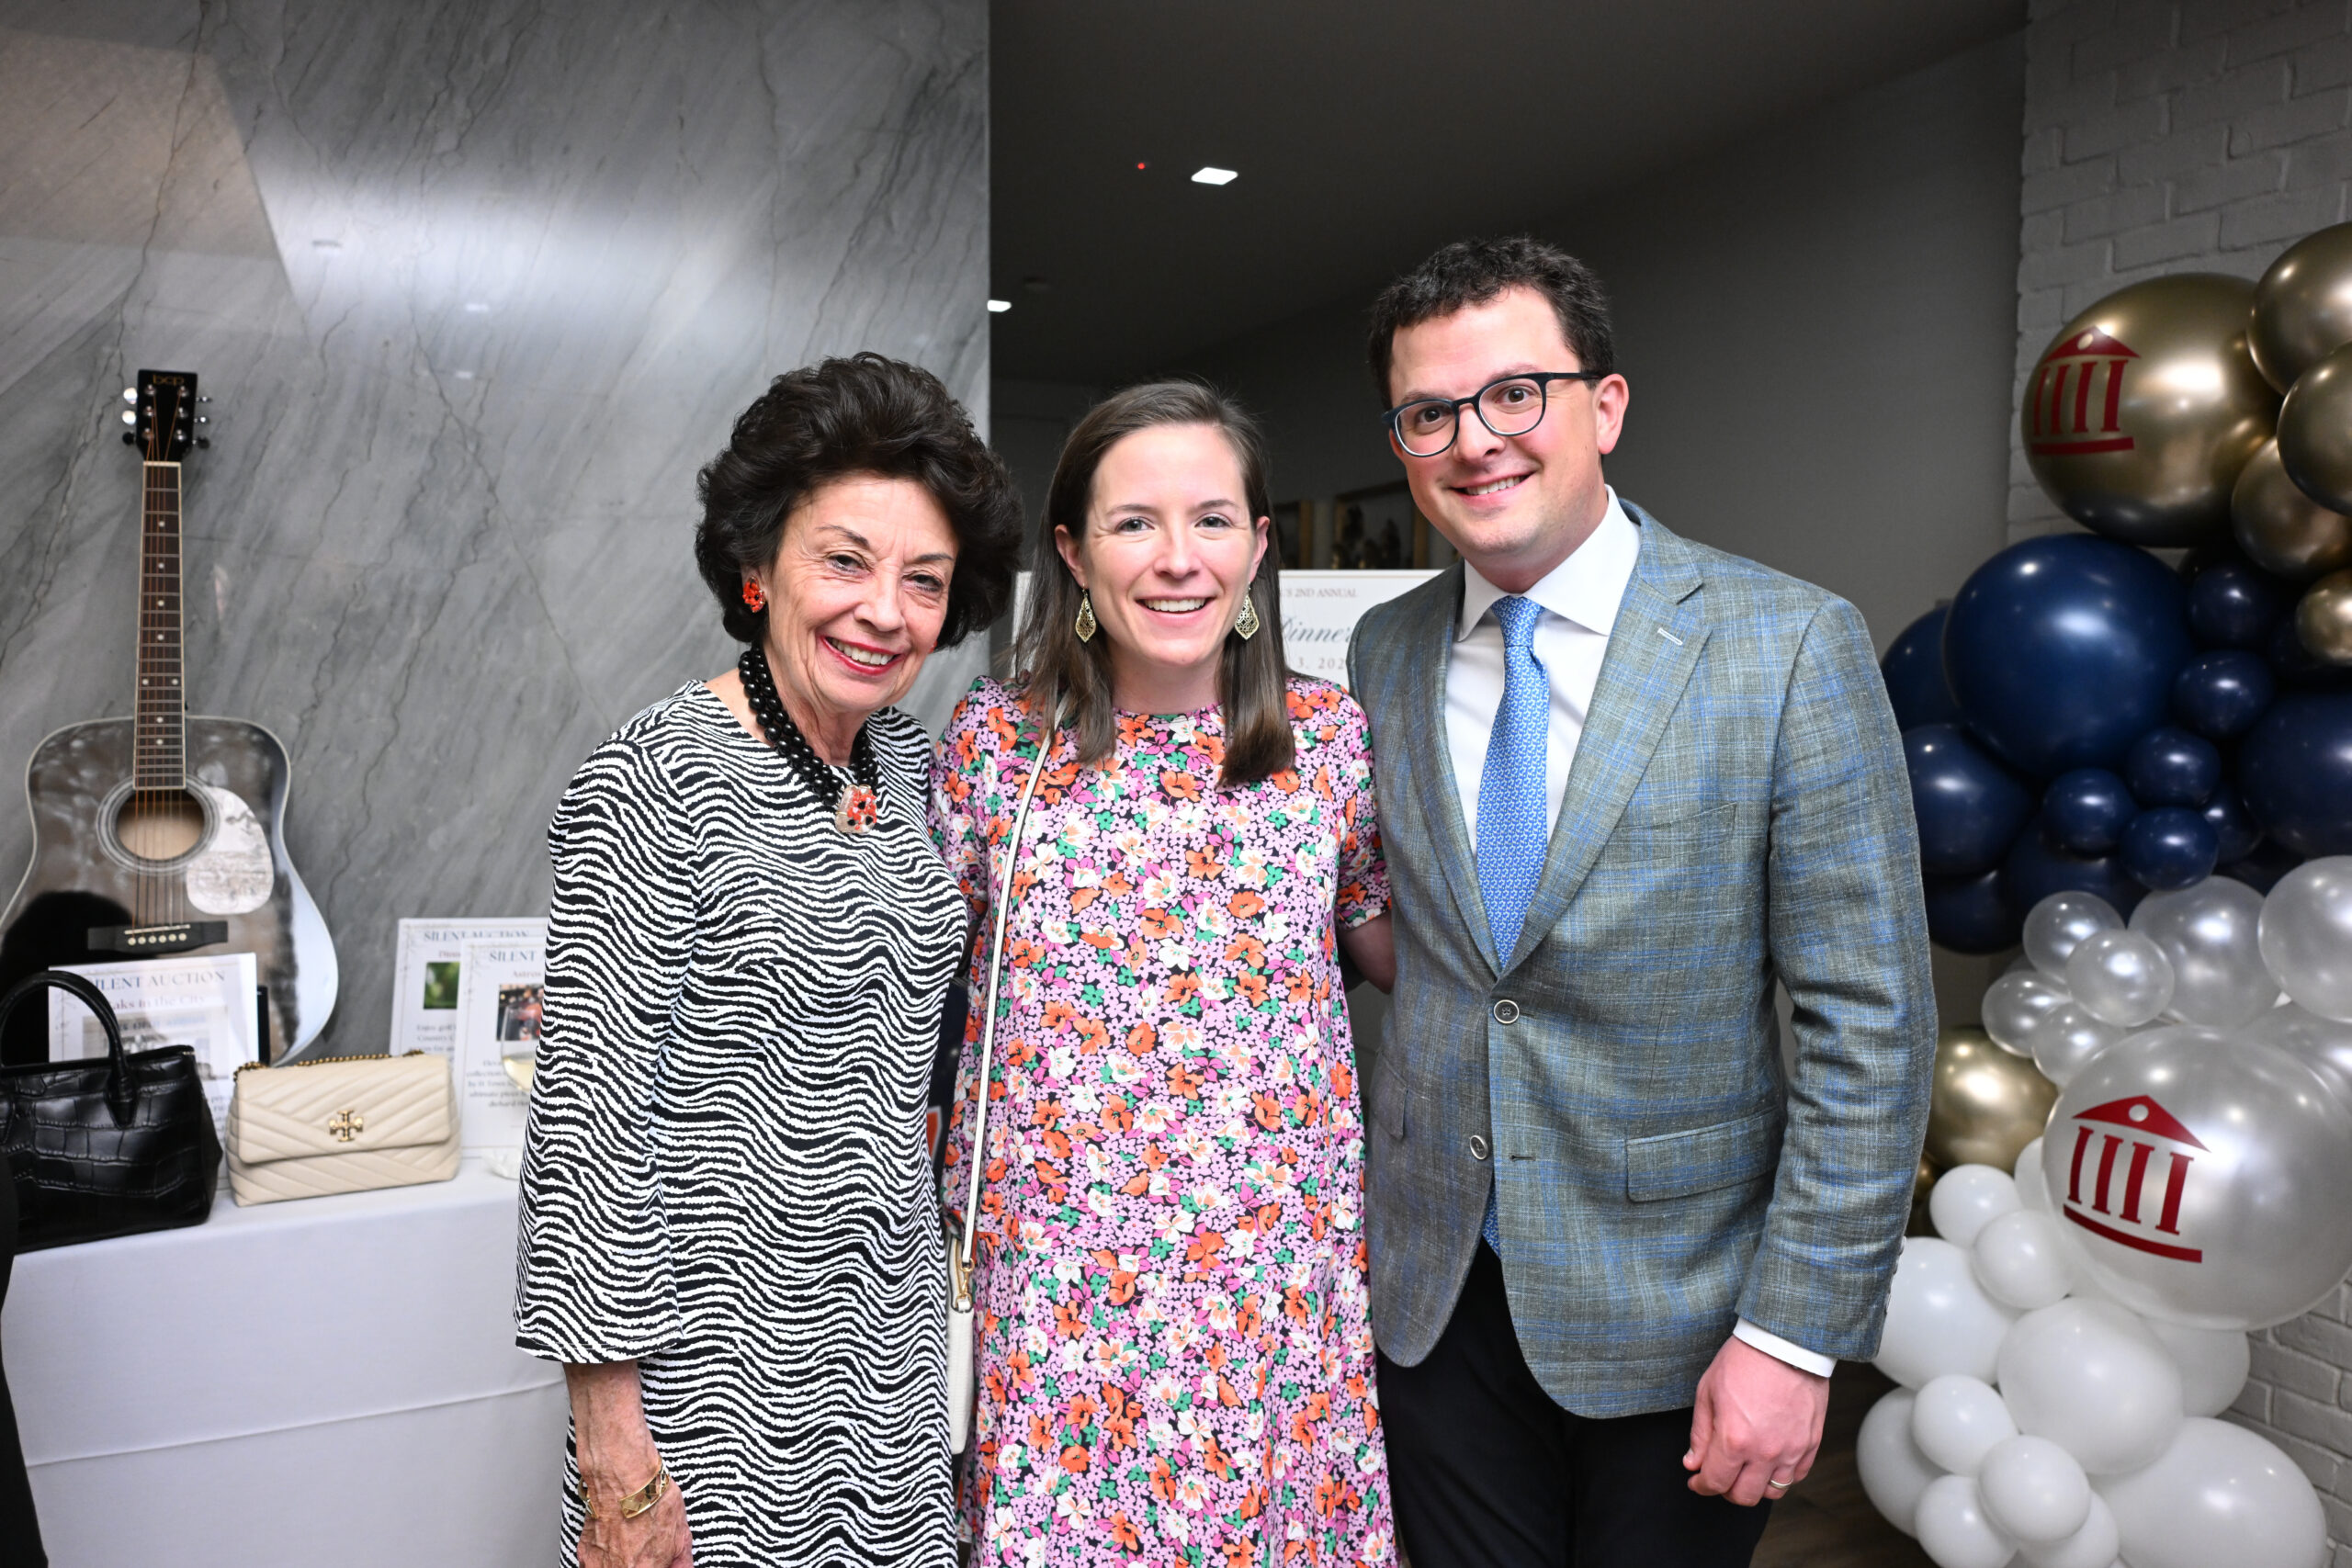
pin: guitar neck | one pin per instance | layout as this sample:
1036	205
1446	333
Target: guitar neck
162	762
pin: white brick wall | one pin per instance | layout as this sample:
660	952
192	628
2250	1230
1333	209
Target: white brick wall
2167	136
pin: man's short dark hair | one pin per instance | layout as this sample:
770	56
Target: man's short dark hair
859	415
1472	272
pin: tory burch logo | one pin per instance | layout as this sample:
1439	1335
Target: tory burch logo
347	1126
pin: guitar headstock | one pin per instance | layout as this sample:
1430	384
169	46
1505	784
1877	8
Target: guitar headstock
161	416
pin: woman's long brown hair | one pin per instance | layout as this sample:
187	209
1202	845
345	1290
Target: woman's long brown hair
1253	674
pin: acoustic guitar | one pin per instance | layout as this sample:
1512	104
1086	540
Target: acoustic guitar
162	833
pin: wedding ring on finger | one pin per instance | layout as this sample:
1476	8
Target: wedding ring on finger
1781	1486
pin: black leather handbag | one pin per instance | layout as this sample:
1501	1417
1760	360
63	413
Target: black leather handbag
105	1149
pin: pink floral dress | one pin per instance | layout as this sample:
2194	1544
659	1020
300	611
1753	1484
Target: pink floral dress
1175	1355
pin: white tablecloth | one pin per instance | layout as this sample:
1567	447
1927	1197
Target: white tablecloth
332	1381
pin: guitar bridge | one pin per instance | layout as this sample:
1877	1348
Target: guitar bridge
149	942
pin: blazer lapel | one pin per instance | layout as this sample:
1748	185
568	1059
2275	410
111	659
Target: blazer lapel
1442	801
1653	649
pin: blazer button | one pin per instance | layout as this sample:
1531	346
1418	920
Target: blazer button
1506	1011
1477	1146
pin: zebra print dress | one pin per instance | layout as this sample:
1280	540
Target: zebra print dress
725	1177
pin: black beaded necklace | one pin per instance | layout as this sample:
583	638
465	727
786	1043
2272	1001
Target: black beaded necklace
855	808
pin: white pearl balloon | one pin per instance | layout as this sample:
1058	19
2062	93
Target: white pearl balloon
2217	1495
1939	1319
2121	977
2022	1260
2015	1005
2068	1039
2306	936
2321	1043
1967	1197
2202	1177
1957	1421
1893	1471
1954	1530
2033	1193
2033	1490
2096	1545
2214	1363
2055	926
2089	1376
2210	933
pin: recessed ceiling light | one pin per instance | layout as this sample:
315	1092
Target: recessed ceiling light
999	307
1213	175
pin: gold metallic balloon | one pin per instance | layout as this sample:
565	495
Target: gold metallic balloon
2315	431
2281	529
2140	415
1987	1105
2323	619
2302	307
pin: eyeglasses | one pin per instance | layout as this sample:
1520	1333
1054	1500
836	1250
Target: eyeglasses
1512	406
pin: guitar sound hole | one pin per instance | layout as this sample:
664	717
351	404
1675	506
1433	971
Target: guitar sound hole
159	826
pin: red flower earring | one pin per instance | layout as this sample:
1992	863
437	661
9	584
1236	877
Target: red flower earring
754	595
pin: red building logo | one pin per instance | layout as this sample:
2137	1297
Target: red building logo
2113	1204
2077	396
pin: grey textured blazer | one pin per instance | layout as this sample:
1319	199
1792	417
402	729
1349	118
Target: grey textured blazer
1739	811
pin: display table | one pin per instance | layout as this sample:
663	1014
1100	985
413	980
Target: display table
330	1381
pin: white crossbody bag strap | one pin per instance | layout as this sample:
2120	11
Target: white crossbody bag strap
961	1255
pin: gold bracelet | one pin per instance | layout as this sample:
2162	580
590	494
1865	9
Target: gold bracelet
637	1501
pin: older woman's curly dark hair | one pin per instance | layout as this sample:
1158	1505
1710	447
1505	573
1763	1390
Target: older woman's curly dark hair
864	414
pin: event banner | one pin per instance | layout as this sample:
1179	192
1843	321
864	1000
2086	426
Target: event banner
1319	614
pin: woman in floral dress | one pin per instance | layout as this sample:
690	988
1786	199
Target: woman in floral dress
1175	1354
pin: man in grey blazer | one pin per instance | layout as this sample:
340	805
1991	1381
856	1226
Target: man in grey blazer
1626	784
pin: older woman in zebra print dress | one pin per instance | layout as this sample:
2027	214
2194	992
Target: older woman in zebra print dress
729	1235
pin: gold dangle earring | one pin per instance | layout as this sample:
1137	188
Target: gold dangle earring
1085	627
1245	624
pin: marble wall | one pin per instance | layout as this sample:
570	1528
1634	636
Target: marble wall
476	288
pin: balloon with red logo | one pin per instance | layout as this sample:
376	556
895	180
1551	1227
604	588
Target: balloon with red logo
2202	1180
2140	414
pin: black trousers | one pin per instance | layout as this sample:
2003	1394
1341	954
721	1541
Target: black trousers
1487	1472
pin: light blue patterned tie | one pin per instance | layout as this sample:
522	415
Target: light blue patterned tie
1511	834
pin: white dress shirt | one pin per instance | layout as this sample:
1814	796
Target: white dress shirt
1578	598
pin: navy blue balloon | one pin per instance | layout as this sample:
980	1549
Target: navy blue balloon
2235	832
2171	767
2295	771
1914	672
1967	914
2169	847
2263	868
2220	694
2062	651
2083	812
2033	871
1968	807
2233	603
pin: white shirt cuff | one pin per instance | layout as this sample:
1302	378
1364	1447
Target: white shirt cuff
1772	1344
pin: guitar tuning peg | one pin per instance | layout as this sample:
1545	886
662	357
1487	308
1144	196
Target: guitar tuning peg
204	399
204	419
129	417
204	442
128	439
130	394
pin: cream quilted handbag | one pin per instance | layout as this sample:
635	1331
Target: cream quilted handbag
341	1124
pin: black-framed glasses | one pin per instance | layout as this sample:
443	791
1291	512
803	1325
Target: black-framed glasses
1510	406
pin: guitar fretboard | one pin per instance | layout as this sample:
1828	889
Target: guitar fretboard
162	710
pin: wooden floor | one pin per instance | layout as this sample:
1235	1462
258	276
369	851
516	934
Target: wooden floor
1825	1522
